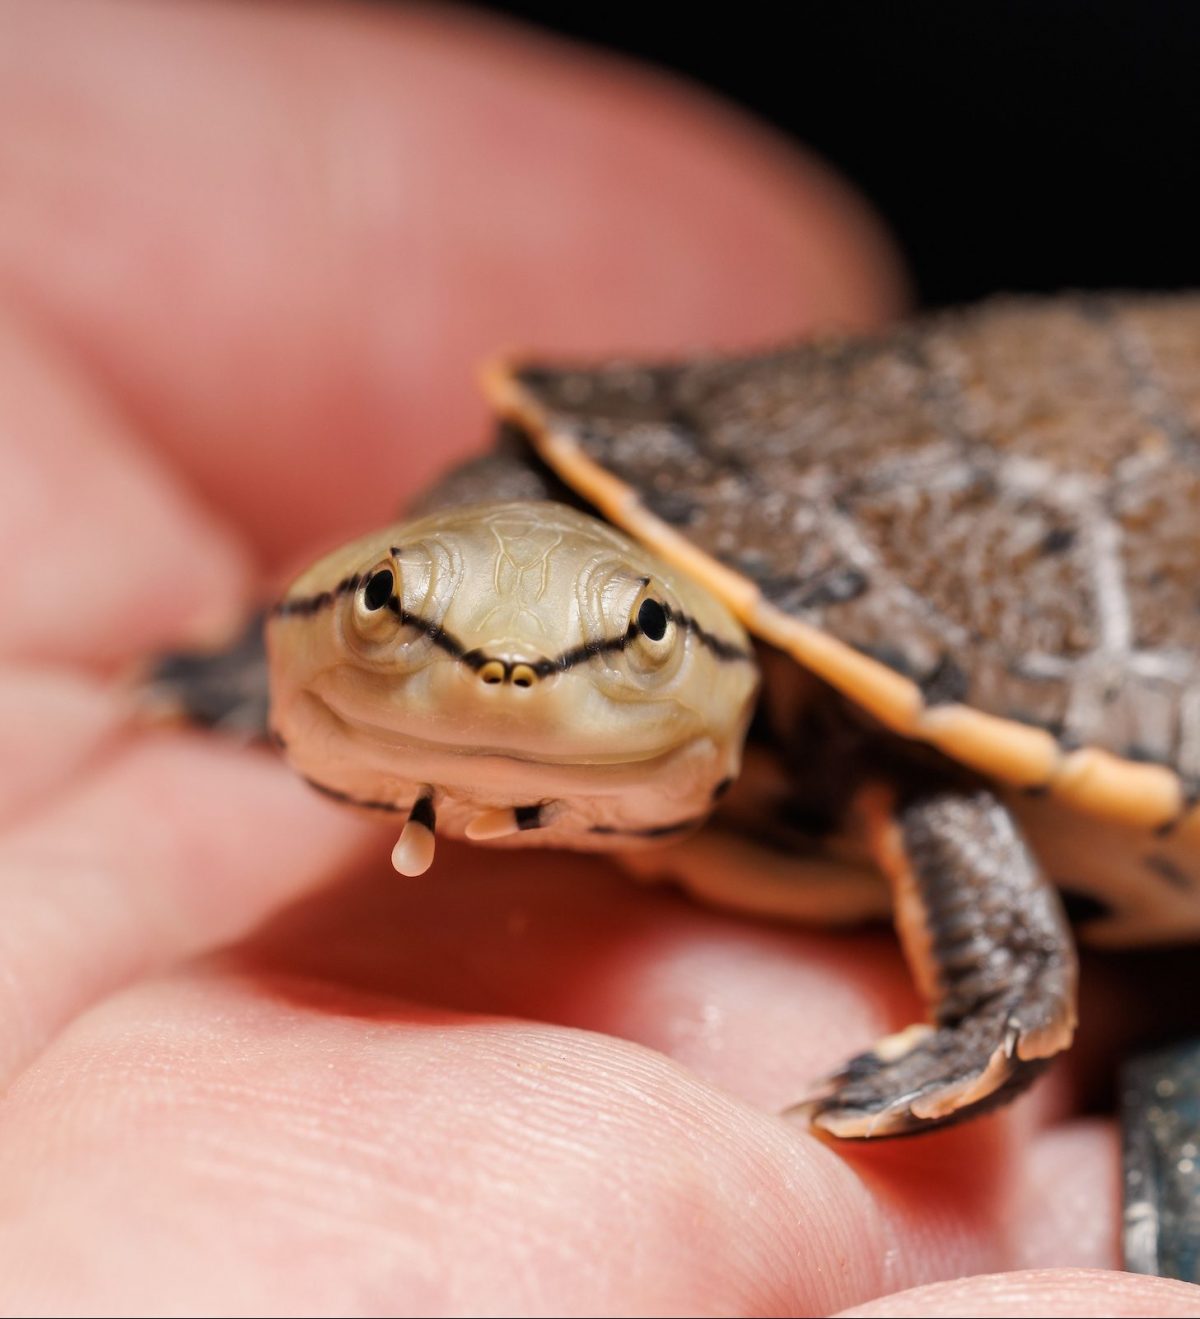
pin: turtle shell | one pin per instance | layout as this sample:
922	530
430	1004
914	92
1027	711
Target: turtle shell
983	527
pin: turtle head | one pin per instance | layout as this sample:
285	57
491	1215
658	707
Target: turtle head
511	671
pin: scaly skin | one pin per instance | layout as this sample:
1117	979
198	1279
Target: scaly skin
523	671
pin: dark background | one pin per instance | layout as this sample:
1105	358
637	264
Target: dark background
1013	145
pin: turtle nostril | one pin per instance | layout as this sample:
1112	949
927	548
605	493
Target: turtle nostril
495	672
492	672
523	675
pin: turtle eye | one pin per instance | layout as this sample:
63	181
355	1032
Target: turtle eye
378	590
652	628
652	619
374	620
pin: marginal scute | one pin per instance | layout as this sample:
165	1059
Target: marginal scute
892	699
1119	789
1015	753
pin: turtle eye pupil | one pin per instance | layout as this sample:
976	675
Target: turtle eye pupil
652	620
378	590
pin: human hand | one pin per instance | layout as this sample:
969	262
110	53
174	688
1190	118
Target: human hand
248	258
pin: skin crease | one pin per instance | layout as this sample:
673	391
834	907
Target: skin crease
248	259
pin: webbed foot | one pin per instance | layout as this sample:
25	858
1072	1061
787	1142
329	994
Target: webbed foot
927	1077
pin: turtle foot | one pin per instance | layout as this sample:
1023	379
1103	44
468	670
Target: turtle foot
928	1077
991	952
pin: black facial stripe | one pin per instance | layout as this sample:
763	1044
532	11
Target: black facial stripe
581	654
442	639
476	659
302	606
1166	869
306	606
348	800
527	817
722	650
654	831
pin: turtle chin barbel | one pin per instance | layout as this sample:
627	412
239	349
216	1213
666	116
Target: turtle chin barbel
966	553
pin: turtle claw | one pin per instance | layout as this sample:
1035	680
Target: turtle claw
926	1077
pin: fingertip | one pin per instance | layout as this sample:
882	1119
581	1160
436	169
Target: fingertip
1046	1293
107	555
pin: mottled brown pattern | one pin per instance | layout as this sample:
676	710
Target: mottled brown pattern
1161	340
1013	487
1159	516
1042	381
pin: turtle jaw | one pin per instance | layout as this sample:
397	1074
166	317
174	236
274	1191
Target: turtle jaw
505	657
408	748
599	802
563	719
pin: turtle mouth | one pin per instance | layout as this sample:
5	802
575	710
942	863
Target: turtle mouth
380	735
449	759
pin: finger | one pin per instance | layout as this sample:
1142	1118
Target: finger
104	555
762	1009
176	844
402	1163
758	1011
53	723
1071	1293
756	1008
351	207
408	1160
1065	1206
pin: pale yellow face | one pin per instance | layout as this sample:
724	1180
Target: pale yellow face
522	671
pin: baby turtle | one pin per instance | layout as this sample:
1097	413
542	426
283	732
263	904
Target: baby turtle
964	557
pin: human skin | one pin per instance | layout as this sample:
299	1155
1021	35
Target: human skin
248	260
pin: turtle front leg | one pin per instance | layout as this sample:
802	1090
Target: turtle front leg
990	949
222	689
